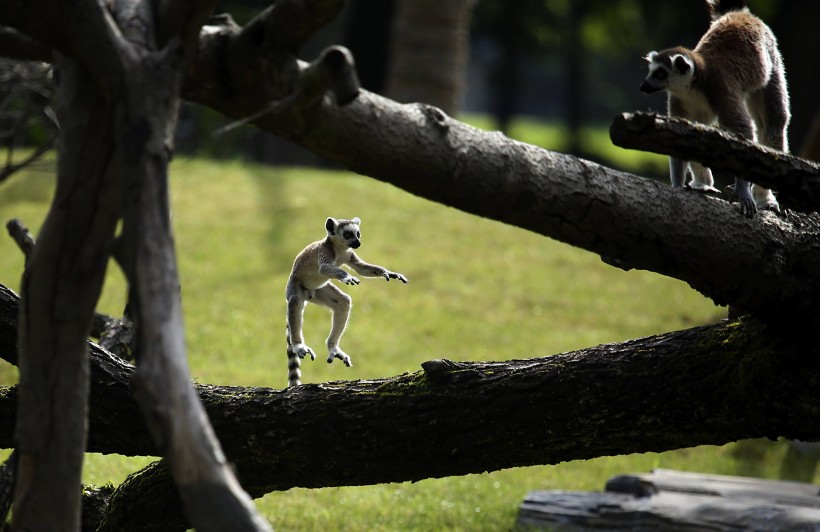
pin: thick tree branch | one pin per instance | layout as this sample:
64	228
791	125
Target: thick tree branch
708	385
758	265
796	180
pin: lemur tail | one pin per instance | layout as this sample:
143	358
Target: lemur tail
717	8
294	374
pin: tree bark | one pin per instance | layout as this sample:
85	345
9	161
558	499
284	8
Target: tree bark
429	52
60	287
707	385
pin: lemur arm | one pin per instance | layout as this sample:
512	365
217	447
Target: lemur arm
328	268
372	270
677	167
735	117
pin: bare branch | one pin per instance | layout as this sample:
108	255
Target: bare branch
21	235
796	180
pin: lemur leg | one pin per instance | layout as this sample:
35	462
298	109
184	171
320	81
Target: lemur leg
677	171
702	179
339	304
770	108
297	299
738	120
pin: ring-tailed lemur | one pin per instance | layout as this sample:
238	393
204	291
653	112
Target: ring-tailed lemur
313	269
734	76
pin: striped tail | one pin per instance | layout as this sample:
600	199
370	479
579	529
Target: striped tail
294	374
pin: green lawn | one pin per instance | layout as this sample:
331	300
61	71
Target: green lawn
478	290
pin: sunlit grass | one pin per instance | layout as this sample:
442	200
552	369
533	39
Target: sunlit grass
479	290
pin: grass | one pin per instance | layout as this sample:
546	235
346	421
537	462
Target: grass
478	290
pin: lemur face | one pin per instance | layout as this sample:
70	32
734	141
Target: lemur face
668	70
345	230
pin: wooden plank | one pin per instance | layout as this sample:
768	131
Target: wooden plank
568	511
677	501
778	491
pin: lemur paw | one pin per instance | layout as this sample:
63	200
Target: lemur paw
301	350
703	188
747	207
394	275
772	206
350	280
341	355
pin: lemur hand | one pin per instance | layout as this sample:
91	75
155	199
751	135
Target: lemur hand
350	280
394	275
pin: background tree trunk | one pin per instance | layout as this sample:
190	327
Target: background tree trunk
429	51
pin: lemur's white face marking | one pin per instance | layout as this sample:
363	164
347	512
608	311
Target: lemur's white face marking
672	72
346	231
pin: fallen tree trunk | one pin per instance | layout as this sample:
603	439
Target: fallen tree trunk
707	385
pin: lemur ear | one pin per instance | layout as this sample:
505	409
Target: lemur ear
650	56
682	63
330	225
356	221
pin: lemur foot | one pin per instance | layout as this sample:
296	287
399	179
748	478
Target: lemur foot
301	350
395	275
341	355
747	207
703	188
771	205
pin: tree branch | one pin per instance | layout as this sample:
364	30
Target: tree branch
758	265
707	385
796	180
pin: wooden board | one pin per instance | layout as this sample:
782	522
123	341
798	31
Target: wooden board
675	501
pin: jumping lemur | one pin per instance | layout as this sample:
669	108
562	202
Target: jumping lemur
734	76
313	269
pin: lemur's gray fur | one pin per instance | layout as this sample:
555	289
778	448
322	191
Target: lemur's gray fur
310	280
734	76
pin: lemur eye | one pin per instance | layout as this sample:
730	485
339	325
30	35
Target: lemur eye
348	235
660	74
358	234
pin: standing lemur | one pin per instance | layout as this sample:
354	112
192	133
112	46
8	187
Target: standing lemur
313	269
734	76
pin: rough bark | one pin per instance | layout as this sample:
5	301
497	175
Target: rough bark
796	180
60	288
707	385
